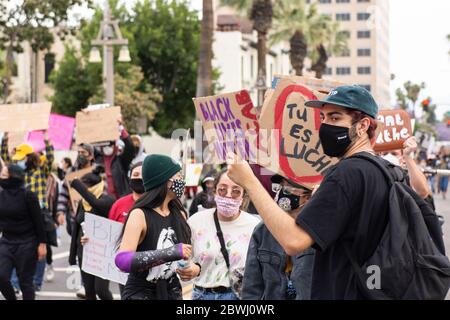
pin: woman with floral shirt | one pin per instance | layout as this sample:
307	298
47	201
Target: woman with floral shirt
209	268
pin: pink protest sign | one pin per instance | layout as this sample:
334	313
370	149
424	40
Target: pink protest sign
60	133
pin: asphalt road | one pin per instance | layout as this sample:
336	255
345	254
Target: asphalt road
67	279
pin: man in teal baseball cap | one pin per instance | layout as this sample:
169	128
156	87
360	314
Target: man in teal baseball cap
348	211
348	120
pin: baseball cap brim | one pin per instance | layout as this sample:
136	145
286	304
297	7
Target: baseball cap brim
321	103
18	156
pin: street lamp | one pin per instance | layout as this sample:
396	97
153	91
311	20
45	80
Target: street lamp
109	36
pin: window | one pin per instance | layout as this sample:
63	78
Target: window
345	33
363	52
328	71
324	1
364	70
340	71
366	86
49	61
251	66
363	0
342	16
364	34
344	53
363	16
342	1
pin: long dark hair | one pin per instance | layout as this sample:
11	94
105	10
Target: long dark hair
155	198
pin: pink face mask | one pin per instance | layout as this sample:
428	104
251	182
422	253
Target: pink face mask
227	207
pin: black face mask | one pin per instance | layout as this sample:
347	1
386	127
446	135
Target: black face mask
137	185
136	150
11	183
335	140
82	161
288	202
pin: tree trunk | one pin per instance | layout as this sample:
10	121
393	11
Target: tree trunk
298	52
262	73
8	73
204	75
321	64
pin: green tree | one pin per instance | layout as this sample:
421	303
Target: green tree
137	100
73	82
295	21
166	37
327	40
30	20
408	95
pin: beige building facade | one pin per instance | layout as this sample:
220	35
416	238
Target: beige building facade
367	61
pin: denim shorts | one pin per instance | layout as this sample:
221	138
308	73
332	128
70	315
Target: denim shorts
198	294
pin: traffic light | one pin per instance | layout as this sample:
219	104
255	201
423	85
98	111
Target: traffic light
426	104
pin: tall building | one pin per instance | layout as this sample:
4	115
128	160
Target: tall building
367	61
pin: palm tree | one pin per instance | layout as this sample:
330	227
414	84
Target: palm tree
326	40
293	22
204	75
260	13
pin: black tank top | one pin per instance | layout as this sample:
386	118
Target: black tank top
160	235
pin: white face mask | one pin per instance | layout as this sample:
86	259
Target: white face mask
392	159
108	151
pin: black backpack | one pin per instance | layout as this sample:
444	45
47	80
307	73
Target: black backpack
411	253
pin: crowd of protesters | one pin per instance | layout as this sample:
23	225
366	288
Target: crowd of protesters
239	239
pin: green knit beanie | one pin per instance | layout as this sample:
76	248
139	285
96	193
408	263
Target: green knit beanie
158	169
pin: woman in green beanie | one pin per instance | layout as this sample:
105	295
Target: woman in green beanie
155	234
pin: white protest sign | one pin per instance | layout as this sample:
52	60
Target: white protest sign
193	172
100	251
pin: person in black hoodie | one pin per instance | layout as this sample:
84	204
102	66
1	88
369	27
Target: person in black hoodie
95	201
23	239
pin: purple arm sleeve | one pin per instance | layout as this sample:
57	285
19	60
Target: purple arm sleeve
129	261
123	261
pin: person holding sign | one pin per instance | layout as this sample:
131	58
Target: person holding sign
84	161
404	158
350	206
155	234
117	163
23	239
96	201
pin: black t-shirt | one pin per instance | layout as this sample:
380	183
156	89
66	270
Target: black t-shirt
349	207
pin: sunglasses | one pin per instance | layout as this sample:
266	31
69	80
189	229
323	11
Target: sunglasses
288	190
235	192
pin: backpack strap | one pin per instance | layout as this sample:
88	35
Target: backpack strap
377	162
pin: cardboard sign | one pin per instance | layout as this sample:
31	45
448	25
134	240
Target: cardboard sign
100	251
24	117
395	130
295	151
97	126
228	120
193	172
321	85
75	197
60	133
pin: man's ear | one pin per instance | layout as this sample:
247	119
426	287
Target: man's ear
364	125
